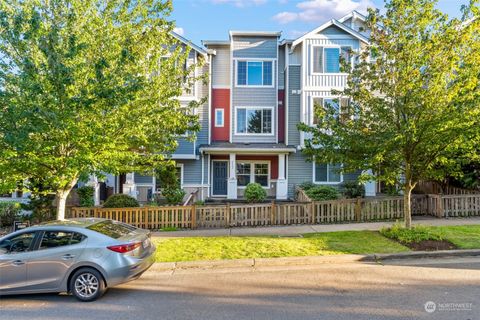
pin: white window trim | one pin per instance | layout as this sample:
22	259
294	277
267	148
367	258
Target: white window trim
222	112
311	113
254	60
180	165
339	47
254	134
325	182
252	172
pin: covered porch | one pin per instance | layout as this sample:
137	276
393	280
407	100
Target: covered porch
231	167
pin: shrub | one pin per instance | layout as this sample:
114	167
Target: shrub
42	207
199	203
255	193
9	212
319	193
120	201
85	195
415	234
353	189
307	185
173	195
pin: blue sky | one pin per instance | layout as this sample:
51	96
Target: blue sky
211	19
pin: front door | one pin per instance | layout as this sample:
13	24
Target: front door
220	176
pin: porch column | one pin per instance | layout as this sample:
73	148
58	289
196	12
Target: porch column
370	186
129	186
232	178
93	182
282	184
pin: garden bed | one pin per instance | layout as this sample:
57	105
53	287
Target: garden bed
430	245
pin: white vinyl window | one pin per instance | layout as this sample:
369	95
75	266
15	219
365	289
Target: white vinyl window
253	120
331	59
327	173
219	118
254	73
258	172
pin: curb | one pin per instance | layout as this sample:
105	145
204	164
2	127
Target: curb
308	260
427	254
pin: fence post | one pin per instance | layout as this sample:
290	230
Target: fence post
440	209
272	214
358	209
312	210
227	215
194	217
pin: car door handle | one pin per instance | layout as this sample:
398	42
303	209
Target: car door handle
68	256
18	262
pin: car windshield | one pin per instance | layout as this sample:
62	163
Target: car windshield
112	229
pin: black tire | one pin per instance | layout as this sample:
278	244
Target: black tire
87	284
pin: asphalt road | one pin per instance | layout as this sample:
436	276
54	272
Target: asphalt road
395	290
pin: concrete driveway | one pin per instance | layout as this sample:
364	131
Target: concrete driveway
397	290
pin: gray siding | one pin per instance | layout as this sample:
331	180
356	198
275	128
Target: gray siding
299	171
281	67
254	47
184	146
293	105
221	66
192	171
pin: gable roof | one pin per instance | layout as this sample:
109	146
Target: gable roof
189	43
354	14
330	23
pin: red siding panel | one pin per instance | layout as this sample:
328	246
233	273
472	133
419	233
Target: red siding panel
221	100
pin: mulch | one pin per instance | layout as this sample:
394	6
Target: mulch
431	245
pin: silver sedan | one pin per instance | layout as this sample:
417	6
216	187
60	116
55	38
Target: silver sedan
81	256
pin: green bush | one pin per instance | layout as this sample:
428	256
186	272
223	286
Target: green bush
85	195
173	194
9	212
353	189
120	201
319	193
415	234
42	207
307	185
255	193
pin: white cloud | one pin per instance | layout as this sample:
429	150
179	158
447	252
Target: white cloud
322	10
179	31
240	3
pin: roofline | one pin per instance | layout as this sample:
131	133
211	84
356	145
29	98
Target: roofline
256	33
352	14
189	43
215	42
327	24
222	150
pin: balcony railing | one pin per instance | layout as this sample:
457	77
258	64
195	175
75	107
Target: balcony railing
327	80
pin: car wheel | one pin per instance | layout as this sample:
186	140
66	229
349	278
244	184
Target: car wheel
87	284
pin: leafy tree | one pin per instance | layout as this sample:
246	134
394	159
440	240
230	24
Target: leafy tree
413	106
86	87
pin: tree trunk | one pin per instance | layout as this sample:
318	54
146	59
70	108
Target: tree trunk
61	199
407	205
61	203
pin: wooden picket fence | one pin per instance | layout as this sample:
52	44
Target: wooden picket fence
288	213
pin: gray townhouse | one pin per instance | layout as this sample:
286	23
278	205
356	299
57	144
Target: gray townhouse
260	87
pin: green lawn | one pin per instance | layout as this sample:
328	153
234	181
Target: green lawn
216	248
312	244
464	237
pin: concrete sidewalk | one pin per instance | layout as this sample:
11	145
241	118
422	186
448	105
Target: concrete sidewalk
298	230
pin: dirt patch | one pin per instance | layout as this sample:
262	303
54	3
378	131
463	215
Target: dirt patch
431	245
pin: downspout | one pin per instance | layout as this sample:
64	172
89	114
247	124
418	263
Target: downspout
286	85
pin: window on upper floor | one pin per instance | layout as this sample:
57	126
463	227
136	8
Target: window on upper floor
219	118
254	73
327	173
253	120
339	105
331	59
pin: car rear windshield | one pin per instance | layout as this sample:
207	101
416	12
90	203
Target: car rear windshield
112	229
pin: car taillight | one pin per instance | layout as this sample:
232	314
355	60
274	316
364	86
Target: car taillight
123	248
